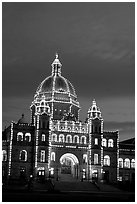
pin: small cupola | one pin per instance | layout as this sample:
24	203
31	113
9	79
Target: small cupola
56	66
94	111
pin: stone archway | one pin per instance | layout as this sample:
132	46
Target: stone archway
69	166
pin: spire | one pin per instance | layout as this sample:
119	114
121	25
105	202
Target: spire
56	65
56	55
94	110
94	102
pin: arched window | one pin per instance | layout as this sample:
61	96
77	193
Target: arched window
52	156
19	136
23	155
127	163
104	142
106	160
61	138
93	114
76	139
120	163
43	137
84	158
132	163
69	138
95	158
42	156
110	143
96	141
83	140
28	137
4	155
54	137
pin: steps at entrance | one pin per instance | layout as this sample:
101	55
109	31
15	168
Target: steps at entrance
67	177
75	186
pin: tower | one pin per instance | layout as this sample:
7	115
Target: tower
95	122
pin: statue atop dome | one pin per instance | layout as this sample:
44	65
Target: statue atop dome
56	65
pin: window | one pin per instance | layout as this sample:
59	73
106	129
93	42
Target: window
94	114
52	171
4	155
133	163
43	138
84	158
41	172
110	143
52	156
120	163
96	141
106	160
23	155
127	163
69	139
95	158
54	137
84	173
104	142
28	137
76	139
19	136
120	178
22	171
96	129
61	138
42	156
83	140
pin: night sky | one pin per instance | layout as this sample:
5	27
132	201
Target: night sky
95	42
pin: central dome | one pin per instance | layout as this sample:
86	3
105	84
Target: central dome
58	94
56	88
56	83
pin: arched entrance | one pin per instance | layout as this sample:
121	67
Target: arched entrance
69	166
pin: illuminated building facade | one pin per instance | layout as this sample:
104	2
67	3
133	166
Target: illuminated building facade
56	143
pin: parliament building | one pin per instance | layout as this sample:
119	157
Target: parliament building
58	145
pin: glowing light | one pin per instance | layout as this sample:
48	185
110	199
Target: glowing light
10	151
72	157
36	148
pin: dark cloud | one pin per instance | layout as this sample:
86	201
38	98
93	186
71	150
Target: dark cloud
126	129
95	42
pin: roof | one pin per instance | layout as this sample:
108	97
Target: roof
127	144
4	136
128	141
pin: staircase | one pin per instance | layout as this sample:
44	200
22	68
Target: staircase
75	186
67	177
